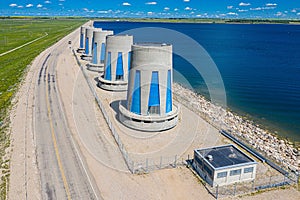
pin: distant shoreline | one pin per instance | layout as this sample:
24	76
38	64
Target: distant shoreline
169	20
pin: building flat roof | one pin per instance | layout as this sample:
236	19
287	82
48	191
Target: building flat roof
224	156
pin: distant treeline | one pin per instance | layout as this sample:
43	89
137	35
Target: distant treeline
37	17
253	21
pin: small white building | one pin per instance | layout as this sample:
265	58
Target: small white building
223	165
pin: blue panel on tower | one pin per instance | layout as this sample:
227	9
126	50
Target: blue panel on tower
95	60
102	55
129	61
108	67
81	40
169	93
87	46
136	95
154	90
119	71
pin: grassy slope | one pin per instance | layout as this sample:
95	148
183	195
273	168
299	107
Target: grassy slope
13	66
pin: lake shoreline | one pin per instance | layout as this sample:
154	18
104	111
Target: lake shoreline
282	151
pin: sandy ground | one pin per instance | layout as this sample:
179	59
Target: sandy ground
113	183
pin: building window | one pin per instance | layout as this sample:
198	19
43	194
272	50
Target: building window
248	170
153	110
119	78
235	172
198	160
221	174
208	170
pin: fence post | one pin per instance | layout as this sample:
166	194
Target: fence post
298	181
217	191
234	191
132	163
160	164
175	163
252	185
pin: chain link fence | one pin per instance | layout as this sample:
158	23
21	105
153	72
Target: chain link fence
245	187
220	125
135	167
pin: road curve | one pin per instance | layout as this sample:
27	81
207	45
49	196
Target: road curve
62	171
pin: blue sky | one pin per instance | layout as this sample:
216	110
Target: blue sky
158	8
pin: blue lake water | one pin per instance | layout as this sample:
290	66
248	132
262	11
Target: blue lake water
259	65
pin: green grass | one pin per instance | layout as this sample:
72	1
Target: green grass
13	33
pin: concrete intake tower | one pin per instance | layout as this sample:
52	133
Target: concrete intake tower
149	105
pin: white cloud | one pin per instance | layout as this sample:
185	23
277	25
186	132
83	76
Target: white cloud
298	13
232	13
271	4
243	10
61	0
188	8
151	3
126	4
258	8
244	4
176	9
20	6
229	7
102	11
47	2
29	5
166	8
186	0
13	5
60	4
294	10
149	13
278	14
39	6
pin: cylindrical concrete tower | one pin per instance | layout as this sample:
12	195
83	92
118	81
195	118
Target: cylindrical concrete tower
82	38
89	33
149	105
98	49
117	62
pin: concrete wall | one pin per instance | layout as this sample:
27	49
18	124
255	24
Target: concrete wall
147	58
229	179
99	37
